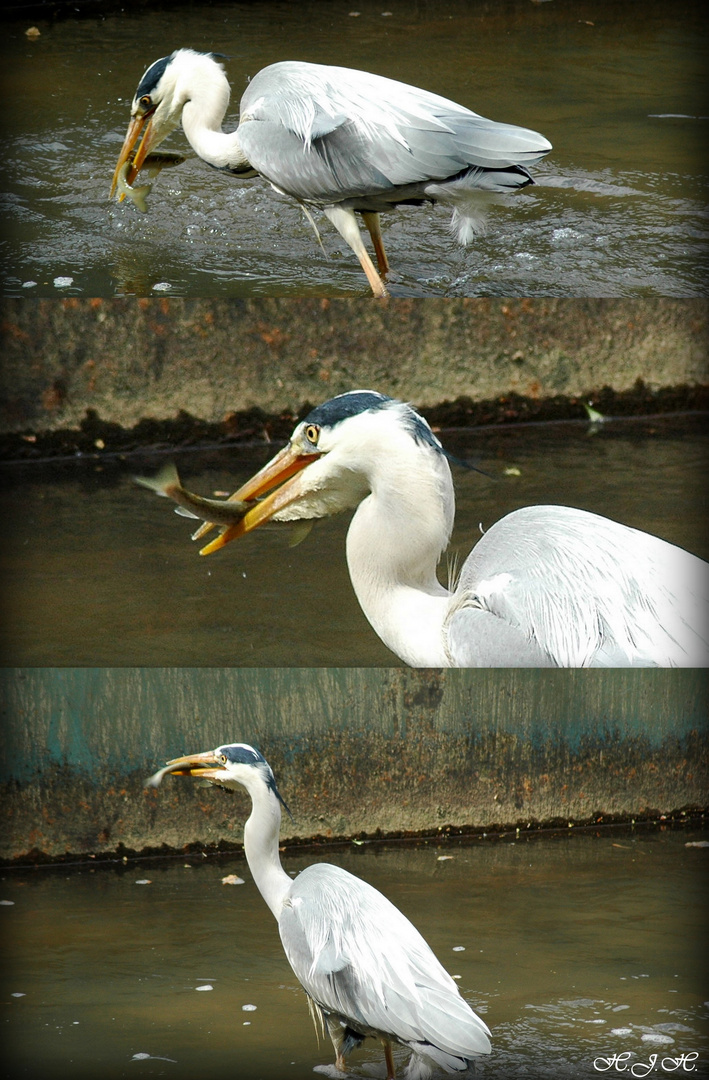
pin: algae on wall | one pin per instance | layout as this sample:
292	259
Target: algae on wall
355	750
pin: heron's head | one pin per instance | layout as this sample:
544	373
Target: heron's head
333	459
231	766
171	83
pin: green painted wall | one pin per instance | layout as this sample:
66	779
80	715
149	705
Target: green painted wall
355	750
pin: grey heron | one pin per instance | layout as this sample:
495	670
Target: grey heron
545	586
366	969
335	139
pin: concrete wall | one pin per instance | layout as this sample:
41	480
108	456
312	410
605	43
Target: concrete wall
354	750
129	359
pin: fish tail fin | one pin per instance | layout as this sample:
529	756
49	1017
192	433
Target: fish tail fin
166	481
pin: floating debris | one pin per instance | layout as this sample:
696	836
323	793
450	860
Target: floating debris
152	1057
674	116
232	879
593	414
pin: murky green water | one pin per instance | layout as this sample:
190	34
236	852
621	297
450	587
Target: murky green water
619	209
573	949
98	571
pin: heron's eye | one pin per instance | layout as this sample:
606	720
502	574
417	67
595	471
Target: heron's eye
146	101
222	759
312	434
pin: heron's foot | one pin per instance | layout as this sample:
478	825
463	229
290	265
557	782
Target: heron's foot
330	1070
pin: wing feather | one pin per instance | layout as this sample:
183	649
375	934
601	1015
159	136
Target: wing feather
585	591
360	958
325	133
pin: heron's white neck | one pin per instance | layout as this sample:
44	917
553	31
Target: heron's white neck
394	543
261	846
205	93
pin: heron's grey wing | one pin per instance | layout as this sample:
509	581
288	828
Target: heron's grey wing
584	590
326	134
361	959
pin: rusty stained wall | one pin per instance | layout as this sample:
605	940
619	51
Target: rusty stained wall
354	750
129	359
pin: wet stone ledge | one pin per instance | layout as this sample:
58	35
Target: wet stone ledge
128	370
98	438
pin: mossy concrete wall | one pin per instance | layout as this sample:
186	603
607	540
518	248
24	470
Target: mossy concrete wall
354	750
128	359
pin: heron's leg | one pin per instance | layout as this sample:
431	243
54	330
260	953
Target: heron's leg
389	1059
374	229
345	222
337	1034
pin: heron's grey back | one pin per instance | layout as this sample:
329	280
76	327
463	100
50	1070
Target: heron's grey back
328	133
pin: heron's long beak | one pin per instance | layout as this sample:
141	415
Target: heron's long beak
132	135
281	470
203	765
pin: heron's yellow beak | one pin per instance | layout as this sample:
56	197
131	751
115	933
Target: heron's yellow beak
132	135
281	470
203	765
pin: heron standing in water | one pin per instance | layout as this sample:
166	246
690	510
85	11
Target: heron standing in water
366	969
334	139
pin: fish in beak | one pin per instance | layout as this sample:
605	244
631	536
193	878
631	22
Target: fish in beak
143	119
205	766
215	511
282	473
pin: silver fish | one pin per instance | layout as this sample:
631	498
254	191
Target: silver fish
137	195
215	511
162	159
179	767
156	779
153	164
